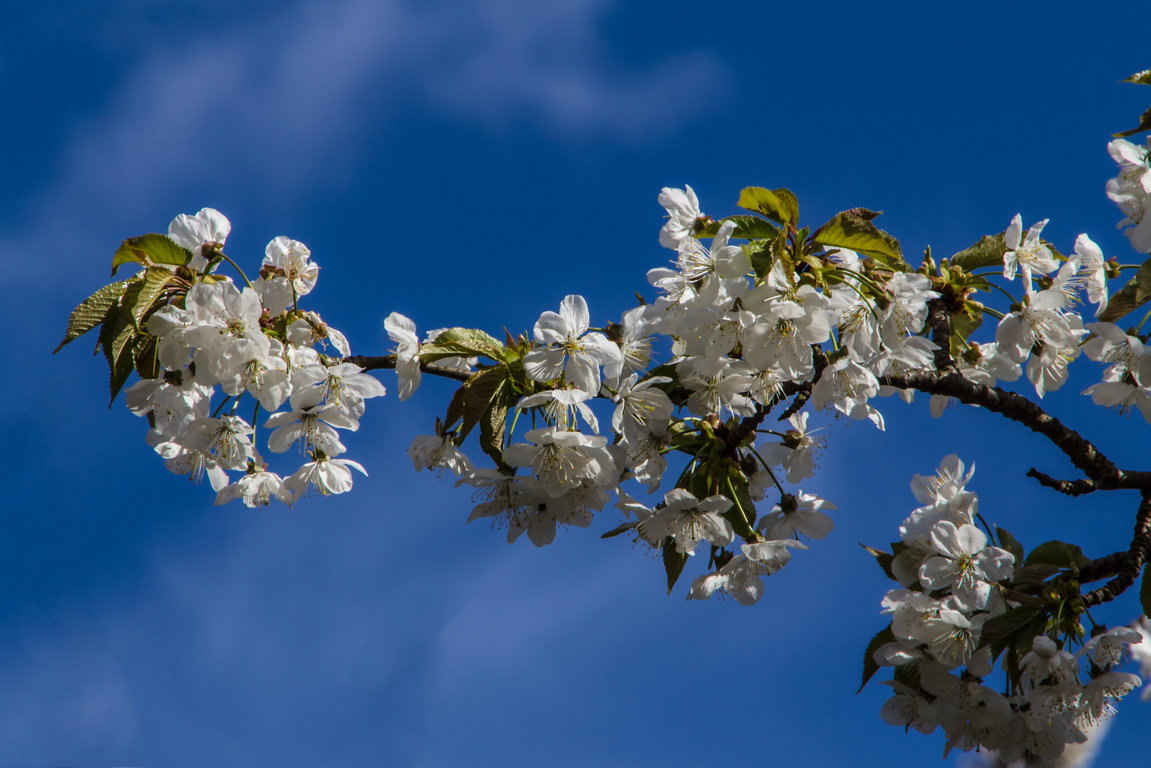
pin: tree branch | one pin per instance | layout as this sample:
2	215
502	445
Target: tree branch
1132	564
1080	451
1069	487
380	362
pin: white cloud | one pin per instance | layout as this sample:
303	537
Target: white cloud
278	106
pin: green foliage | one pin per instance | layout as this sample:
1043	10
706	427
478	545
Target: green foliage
462	342
746	227
1058	553
779	205
852	229
92	312
883	558
1134	294
1022	622
1010	543
985	253
673	563
870	665
149	250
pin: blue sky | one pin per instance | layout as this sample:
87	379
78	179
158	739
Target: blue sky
470	163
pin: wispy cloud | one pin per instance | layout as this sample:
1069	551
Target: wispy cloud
278	105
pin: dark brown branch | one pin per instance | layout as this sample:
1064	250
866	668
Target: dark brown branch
1132	564
1080	451
1069	487
380	362
1106	567
939	321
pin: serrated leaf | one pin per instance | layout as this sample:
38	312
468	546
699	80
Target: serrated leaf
1058	553
988	251
746	228
963	324
1010	543
1144	125
156	279
479	393
1139	78
1135	293
91	312
883	558
148	250
778	205
1036	573
673	562
619	529
1000	631
741	499
870	665
492	425
462	342
852	229
145	357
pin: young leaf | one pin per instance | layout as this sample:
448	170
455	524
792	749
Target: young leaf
148	250
1004	628
673	562
156	279
1139	78
779	205
1058	553
1010	543
988	251
746	227
883	558
462	342
92	312
619	529
852	229
1144	125
870	665
1136	292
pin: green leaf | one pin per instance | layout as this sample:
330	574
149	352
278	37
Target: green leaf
156	279
1139	78
988	251
116	337
145	358
741	499
492	431
963	324
92	312
148	250
1144	125
883	558
779	205
1135	293
746	228
479	393
870	665
462	342
1010	543
852	229
619	529
673	563
1036	573
1058	553
1004	628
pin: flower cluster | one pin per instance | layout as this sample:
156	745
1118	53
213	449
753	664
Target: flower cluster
953	586
256	341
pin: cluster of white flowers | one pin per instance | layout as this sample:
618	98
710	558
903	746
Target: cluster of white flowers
1131	191
257	341
951	579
